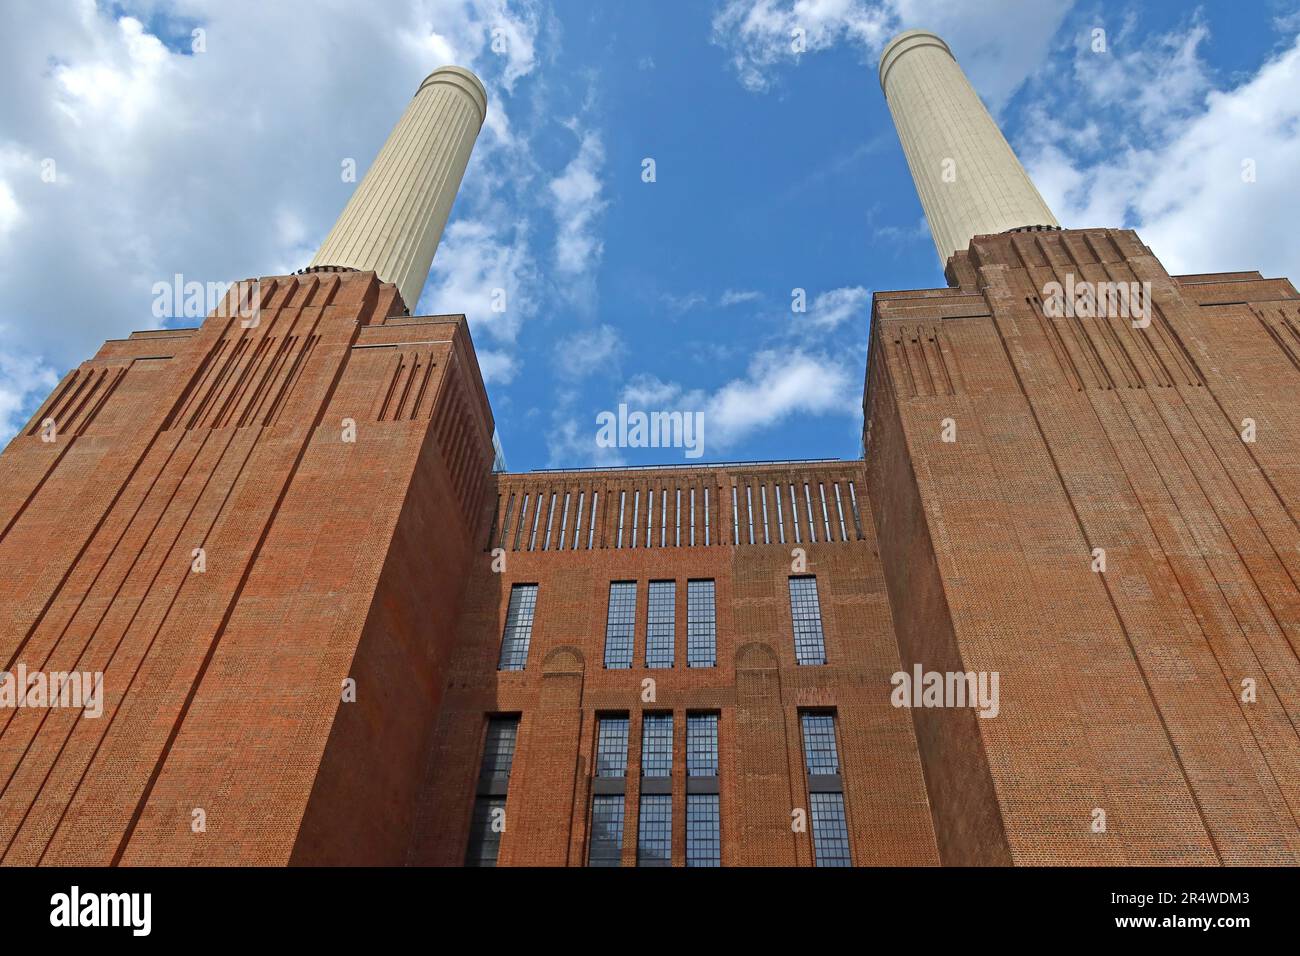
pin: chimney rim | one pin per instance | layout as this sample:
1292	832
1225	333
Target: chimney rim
472	86
908	40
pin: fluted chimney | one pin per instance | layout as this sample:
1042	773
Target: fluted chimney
394	220
968	179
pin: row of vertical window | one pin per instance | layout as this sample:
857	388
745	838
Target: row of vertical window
703	844
827	817
661	624
782	512
655	807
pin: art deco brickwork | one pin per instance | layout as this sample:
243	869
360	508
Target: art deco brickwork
390	561
1124	691
323	559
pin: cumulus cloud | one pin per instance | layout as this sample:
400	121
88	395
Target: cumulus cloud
778	385
586	352
126	156
1185	180
736	297
831	309
578	207
999	42
24	380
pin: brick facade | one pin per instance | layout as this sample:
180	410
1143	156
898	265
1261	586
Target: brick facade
389	561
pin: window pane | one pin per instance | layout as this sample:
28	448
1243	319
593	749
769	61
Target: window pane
485	828
654	840
661	624
519	628
809	642
701	625
657	745
499	748
620	626
703	830
819	751
611	747
606	847
701	745
830	830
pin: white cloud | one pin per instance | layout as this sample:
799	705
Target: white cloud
484	269
777	386
173	162
830	309
1182	187
571	443
498	368
998	42
24	380
577	203
736	297
588	351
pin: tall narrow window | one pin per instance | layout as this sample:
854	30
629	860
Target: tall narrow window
663	517
577	521
657	745
839	512
853	506
649	515
706	517
622	501
661	624
519	628
620	625
564	521
537	513
701	625
591	527
488	820
655	822
692	517
505	524
806	612
735	517
636	515
677	515
830	829
605	846
826	518
523	519
703	817
794	516
749	511
762	490
611	747
654	842
550	524
812	522
780	519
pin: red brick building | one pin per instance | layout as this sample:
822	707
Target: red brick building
330	633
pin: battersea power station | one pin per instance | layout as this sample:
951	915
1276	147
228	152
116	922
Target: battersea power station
1051	616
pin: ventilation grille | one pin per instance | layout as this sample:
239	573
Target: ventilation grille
743	511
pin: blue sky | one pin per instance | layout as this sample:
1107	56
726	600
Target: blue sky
774	172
